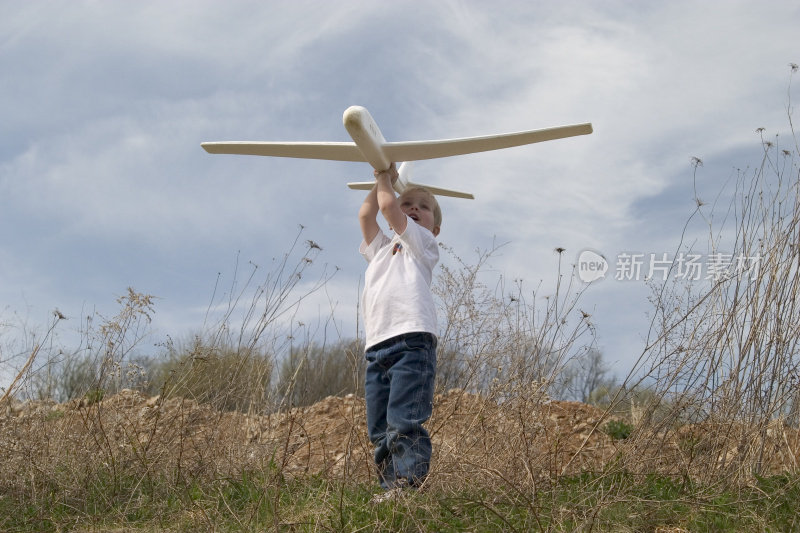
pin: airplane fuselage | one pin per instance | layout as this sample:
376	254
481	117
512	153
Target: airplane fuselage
367	136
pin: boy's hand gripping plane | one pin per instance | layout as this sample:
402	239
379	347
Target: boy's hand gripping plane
370	146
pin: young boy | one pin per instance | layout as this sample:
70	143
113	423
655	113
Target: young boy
400	324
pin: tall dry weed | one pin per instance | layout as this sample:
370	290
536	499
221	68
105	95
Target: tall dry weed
504	353
722	361
107	444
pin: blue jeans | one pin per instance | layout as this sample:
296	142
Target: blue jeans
399	393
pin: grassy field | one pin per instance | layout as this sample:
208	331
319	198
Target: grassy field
264	501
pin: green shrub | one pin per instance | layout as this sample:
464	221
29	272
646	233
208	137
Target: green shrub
94	395
230	377
618	429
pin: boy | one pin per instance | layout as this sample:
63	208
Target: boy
400	325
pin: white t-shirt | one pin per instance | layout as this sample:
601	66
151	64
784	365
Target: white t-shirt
397	295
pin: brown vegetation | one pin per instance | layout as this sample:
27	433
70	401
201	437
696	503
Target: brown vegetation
519	443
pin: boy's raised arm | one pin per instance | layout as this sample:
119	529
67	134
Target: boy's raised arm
387	201
368	216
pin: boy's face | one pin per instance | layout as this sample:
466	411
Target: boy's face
418	206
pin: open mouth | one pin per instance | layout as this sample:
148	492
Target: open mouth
415	218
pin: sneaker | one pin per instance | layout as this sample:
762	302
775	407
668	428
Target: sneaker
390	495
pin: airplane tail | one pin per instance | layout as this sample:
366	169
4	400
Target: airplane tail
403	182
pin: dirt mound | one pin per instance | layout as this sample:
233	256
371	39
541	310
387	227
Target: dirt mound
473	436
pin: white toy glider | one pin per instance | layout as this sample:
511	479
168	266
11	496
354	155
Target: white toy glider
370	146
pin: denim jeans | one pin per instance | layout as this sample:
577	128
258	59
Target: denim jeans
399	393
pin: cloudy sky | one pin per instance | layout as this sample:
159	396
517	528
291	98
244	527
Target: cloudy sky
103	106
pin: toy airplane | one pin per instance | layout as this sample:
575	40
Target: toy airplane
370	146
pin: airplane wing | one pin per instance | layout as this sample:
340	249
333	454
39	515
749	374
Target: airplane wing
418	150
397	151
331	151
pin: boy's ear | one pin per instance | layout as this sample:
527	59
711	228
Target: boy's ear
436	230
